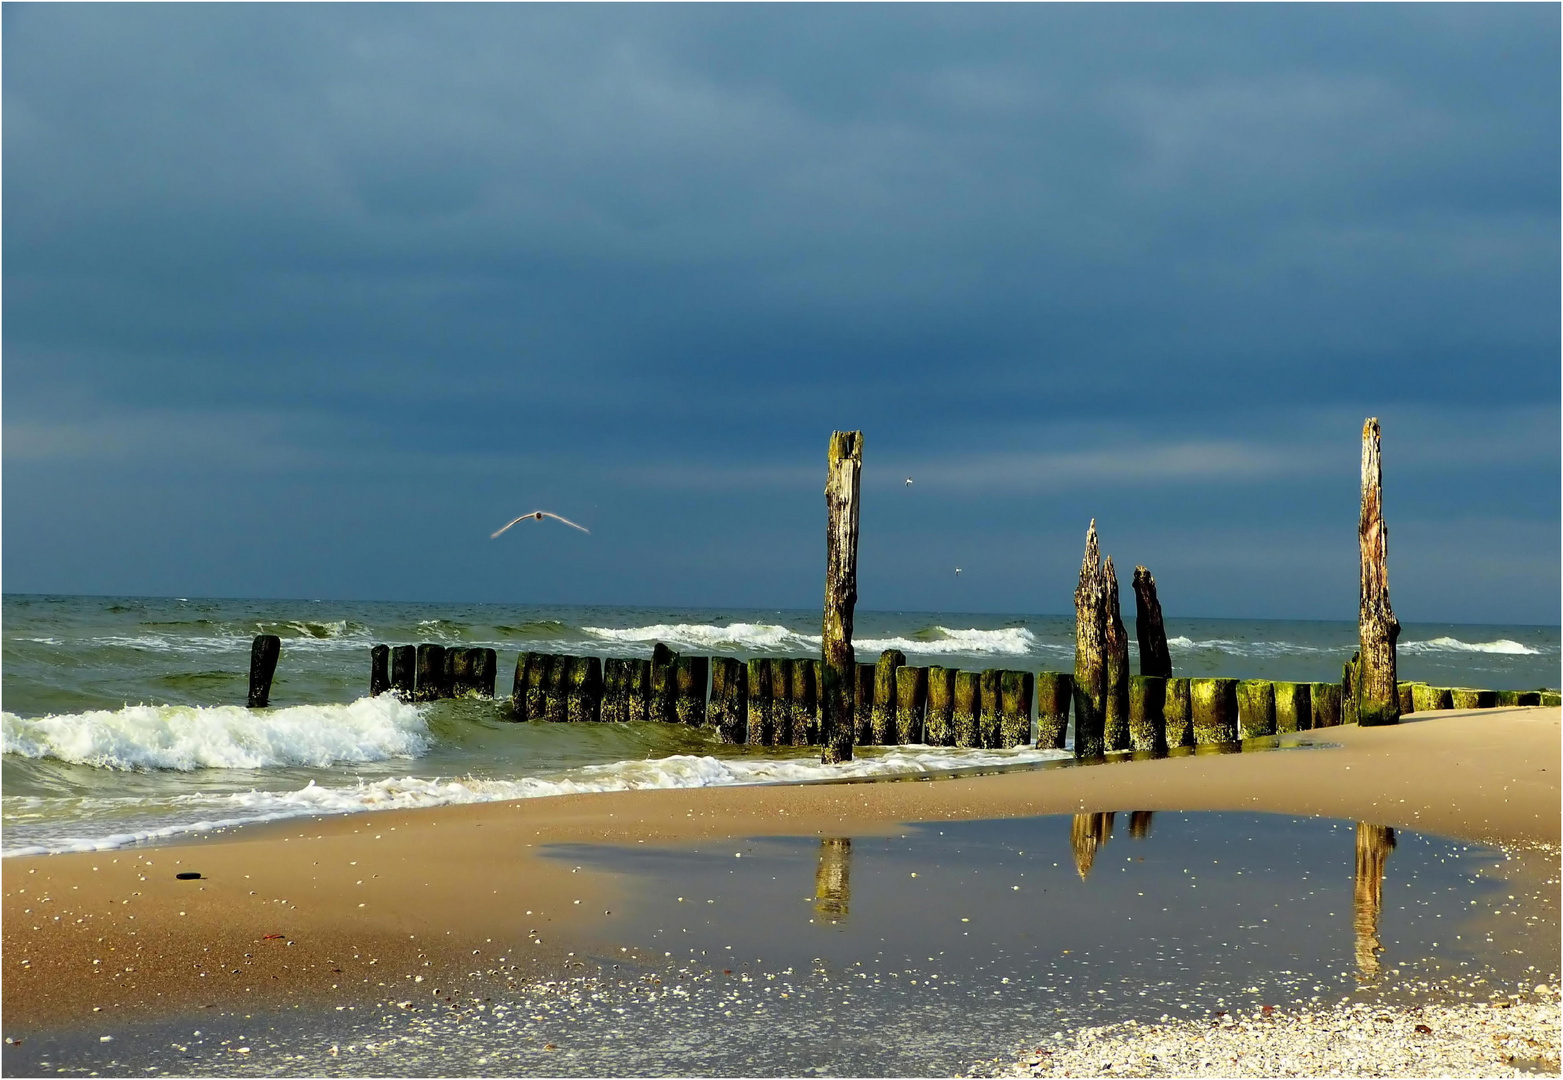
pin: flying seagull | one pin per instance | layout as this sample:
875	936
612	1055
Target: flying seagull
539	515
908	481
957	571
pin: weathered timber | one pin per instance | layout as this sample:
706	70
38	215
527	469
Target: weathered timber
264	651
1255	708
1506	698
988	708
690	675
803	703
1087	833
1214	706
1374	843
911	702
1147	712
1016	689
1324	701
583	693
615	703
556	688
728	712
449	674
837	689
534	692
781	700
637	689
1054	689
1407	697
1140	824
1513	698
816	736
1293	708
1348	689
833	880
431	684
966	707
463	679
1378	701
1149	629
1115	719
518	686
939	715
882	717
862	719
487	672
1090	683
663	684
1549	697
379	670
404	670
1426	698
1178	714
1465	697
760	727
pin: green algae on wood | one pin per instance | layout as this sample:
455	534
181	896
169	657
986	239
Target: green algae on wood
837	689
1348	689
556	689
1115	717
690	675
1255	708
1147	712
988	709
1465	697
939	716
1549	697
615	705
1431	698
637	689
583	690
1407	697
486	671
803	704
538	667
1090	676
1213	703
911	701
431	684
663	684
1293	708
462	676
1324	701
729	697
1016	689
883	713
781	700
965	708
1178	714
1053	691
862	718
761	727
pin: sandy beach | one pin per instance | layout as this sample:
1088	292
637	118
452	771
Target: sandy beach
335	909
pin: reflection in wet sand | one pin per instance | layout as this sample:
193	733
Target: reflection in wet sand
1140	824
1087	833
832	884
1374	843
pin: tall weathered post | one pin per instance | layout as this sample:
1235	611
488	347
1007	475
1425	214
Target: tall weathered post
1148	627
837	697
939	716
882	714
1054	689
1115	721
1090	685
1378	698
911	701
379	670
264	651
404	667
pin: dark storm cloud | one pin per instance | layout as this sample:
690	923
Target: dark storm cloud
330	255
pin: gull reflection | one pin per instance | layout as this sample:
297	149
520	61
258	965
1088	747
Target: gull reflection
1087	833
1374	843
832	885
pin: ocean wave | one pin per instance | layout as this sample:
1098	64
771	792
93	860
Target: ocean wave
184	737
772	638
942	640
1502	646
1250	648
411	792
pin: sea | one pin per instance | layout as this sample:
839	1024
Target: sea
124	718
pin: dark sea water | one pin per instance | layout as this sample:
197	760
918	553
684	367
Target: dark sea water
124	718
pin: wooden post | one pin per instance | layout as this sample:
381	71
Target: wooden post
1430	698
1090	684
379	670
431	673
1348	689
883	714
781	700
1293	708
615	707
1374	843
803	703
833	879
837	691
463	680
1214	705
911	701
1054	689
1087	833
1324	703
449	674
1255	708
1015	692
966	708
404	667
862	719
1466	698
637	689
1148	627
663	684
690	675
761	729
584	690
556	707
264	651
1178	714
939	716
1115	720
816	735
518	686
1147	712
988	709
1407	697
487	672
1378	701
539	669
729	698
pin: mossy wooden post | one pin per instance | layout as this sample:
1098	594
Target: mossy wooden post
663	684
1550	698
862	719
726	711
1178	714
1147	712
518	686
379	670
615	706
837	689
1148	627
781	700
487	672
803	703
431	684
966	707
1016	689
1348	690
882	721
264	651
404	670
538	666
1465	697
988	708
556	708
1054	689
816	735
1090	683
1429	698
462	678
1293	708
1213	703
911	701
449	674
1115	720
939	715
690	674
1324	702
1378	700
758	706
584	691
1255	708
637	689
1407	698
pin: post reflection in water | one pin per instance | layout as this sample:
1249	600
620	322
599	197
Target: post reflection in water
1140	824
1087	833
1374	843
832	882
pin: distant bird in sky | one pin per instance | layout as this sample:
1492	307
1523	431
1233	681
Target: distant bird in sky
539	515
908	481
957	571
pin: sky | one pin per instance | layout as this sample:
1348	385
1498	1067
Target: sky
307	300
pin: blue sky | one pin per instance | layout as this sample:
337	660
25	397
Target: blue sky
306	300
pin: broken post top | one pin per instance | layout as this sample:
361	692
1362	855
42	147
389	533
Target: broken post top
1090	566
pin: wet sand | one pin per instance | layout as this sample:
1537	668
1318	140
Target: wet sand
316	911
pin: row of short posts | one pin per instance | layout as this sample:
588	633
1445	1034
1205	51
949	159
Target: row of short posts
431	672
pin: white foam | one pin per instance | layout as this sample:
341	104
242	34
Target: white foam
1010	641
768	637
187	737
1502	646
1247	648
